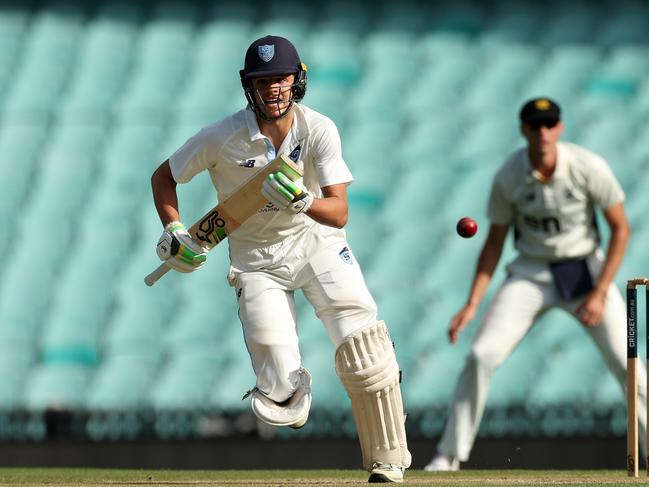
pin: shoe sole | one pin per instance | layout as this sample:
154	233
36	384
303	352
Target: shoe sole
379	478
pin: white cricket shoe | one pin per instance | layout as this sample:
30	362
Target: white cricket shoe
443	463
385	473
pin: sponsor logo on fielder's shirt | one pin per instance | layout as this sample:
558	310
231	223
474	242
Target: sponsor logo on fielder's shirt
345	255
549	224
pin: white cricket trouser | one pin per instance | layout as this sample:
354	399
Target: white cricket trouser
332	282
511	314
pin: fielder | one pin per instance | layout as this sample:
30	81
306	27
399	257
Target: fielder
296	241
548	193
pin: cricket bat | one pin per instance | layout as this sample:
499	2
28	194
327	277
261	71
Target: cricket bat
231	213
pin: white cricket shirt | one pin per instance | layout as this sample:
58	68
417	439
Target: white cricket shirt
553	220
232	149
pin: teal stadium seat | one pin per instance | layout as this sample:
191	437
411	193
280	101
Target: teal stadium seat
398	262
198	327
355	18
20	145
464	17
564	392
449	63
406	16
13	26
121	383
576	22
625	25
161	62
16	359
212	88
328	393
102	70
513	22
562	75
185	382
72	151
332	58
56	386
363	231
417	192
49	53
294	23
232	378
389	60
504	71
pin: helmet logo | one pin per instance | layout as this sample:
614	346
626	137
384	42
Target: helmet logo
266	52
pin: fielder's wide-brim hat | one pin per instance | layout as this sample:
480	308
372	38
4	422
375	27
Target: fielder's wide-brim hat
270	56
538	109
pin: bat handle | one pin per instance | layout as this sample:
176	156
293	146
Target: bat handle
151	279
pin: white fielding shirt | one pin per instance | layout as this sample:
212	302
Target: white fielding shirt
233	149
553	220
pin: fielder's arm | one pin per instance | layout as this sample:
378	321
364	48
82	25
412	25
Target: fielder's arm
487	263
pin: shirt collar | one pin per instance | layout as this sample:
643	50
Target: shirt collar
299	128
253	126
560	172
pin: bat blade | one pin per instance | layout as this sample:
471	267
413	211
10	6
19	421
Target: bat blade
233	211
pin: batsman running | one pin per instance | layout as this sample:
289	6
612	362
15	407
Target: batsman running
548	192
295	242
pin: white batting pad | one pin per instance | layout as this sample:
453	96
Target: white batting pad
368	369
293	412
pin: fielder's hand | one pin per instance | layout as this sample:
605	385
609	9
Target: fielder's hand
179	251
286	194
460	320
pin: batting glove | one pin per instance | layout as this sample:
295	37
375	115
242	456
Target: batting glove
286	194
179	251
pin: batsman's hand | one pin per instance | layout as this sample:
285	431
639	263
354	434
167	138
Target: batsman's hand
178	250
460	320
285	194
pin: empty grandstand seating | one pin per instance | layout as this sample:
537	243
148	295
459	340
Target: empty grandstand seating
94	95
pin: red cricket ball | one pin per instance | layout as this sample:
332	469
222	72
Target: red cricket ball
466	227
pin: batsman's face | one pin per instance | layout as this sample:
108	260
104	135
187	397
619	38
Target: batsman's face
273	94
543	136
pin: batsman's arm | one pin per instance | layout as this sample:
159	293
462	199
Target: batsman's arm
331	209
165	198
485	268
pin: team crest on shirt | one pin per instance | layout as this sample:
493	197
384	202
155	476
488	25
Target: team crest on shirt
295	153
345	255
266	52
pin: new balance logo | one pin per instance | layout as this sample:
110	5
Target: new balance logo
248	163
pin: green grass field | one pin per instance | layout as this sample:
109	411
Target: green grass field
100	477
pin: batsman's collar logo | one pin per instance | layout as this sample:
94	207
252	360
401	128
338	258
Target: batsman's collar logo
346	255
266	52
